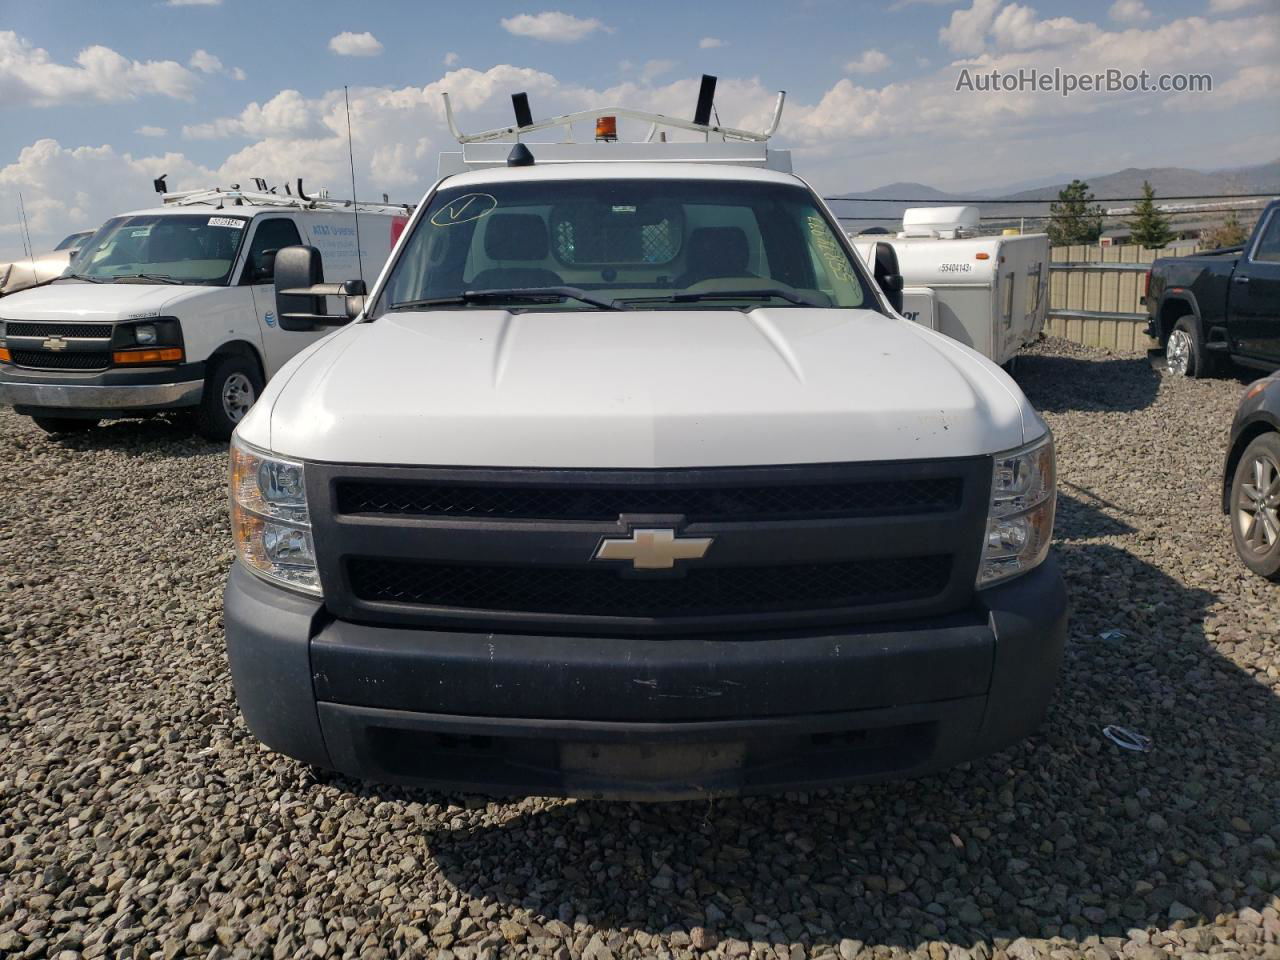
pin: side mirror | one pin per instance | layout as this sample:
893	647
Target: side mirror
301	292
887	275
265	268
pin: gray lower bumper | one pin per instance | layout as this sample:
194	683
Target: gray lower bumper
57	396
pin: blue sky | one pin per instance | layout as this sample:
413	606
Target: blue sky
96	97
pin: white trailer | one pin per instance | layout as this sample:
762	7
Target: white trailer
990	293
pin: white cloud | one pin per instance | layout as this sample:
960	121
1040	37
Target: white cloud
1017	27
711	43
348	44
1013	27
1231	6
205	62
1129	11
287	114
66	189
29	76
653	69
149	131
451	59
551	25
966	32
872	61
208	63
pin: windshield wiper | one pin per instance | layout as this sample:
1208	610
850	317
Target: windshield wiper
80	276
149	277
757	294
514	293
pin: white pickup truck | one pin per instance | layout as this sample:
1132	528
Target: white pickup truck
627	482
173	308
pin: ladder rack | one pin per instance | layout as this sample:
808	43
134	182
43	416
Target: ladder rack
216	196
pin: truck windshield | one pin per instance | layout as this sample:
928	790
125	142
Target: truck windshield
162	248
639	244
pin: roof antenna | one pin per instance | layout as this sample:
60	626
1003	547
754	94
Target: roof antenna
22	210
351	158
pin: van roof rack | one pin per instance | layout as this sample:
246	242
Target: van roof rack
721	144
234	196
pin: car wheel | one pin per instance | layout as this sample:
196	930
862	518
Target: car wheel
1184	353
1255	506
64	424
230	390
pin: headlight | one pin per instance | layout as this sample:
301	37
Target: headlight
269	518
1020	518
145	334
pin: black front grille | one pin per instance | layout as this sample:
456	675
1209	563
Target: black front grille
866	498
701	591
48	360
89	331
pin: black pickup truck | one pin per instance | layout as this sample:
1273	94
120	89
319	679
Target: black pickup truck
1220	304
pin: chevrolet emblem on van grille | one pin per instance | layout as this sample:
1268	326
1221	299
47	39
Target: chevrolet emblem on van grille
652	549
55	344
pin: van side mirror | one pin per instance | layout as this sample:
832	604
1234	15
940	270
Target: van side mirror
301	292
887	276
264	268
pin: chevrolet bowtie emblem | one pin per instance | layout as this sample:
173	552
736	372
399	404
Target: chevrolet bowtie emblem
652	549
54	343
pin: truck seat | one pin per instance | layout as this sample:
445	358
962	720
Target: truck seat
520	237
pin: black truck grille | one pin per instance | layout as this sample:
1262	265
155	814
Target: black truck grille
514	549
696	504
703	591
34	328
48	360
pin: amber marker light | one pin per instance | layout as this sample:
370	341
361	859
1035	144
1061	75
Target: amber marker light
134	357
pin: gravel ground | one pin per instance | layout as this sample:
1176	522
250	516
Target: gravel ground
138	817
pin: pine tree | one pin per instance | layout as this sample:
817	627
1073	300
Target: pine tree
1231	233
1150	227
1074	218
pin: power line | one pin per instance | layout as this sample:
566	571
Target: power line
953	203
1083	216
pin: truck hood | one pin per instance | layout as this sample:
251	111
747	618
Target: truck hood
638	389
107	302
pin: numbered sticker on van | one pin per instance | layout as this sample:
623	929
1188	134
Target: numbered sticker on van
231	222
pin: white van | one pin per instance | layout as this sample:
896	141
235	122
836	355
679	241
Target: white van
174	308
990	293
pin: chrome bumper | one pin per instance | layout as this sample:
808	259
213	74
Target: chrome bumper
93	397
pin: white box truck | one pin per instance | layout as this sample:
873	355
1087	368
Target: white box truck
988	292
173	308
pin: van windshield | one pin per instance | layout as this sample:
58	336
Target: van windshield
637	244
162	248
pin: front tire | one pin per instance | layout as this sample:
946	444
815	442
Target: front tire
64	424
230	390
1255	506
1185	354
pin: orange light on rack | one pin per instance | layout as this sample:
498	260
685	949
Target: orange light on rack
607	129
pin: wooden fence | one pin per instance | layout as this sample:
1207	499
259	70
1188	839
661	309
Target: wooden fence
1095	293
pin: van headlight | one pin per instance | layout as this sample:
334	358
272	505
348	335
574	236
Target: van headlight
1020	518
269	518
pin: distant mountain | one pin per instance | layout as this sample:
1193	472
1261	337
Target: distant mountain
1111	190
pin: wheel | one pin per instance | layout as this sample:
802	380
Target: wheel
230	390
1185	354
1255	506
64	424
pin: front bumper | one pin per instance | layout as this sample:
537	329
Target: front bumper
102	394
644	718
